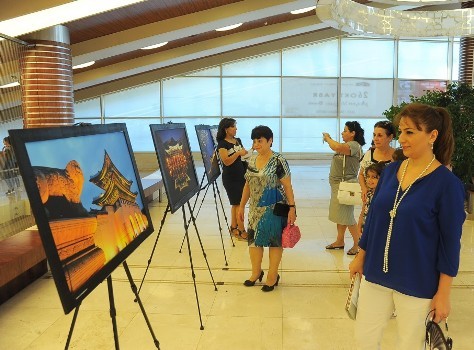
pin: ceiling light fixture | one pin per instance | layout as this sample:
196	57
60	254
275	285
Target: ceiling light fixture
83	65
154	46
59	14
303	10
6	86
355	18
233	26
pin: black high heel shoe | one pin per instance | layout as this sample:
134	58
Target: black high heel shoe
266	288
249	283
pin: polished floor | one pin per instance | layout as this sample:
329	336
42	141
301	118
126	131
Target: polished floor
306	310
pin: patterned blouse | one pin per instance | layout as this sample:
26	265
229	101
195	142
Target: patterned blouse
265	228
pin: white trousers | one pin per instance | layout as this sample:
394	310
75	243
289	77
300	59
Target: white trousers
374	310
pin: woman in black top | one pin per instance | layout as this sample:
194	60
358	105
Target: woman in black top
231	150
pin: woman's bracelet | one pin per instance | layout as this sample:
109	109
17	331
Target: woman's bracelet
292	205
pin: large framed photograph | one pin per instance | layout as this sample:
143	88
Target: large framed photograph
176	163
87	200
208	152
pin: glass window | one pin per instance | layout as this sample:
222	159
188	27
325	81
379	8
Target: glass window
309	97
303	135
367	58
138	132
423	60
365	98
407	88
455	71
268	65
367	124
141	101
87	108
11	124
190	123
315	60
209	72
251	97
198	97
245	126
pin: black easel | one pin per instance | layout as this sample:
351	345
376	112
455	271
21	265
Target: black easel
113	312
215	189
162	223
191	258
186	226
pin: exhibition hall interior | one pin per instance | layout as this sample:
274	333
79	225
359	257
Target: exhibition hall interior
111	110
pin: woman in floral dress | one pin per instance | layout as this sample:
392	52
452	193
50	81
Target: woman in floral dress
268	181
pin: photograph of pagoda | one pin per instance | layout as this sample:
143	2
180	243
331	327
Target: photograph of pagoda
91	200
176	163
208	152
86	196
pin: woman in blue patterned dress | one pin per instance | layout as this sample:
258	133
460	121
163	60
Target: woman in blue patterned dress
268	181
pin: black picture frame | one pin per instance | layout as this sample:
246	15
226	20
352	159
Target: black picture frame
87	199
176	163
208	152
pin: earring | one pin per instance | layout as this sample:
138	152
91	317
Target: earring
432	145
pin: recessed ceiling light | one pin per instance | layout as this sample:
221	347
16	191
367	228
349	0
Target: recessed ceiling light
154	46
303	10
233	26
83	65
6	86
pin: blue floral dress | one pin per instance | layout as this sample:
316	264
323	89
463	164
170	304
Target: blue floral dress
265	228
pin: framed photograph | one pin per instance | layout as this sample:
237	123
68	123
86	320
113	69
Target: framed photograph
87	200
176	163
208	152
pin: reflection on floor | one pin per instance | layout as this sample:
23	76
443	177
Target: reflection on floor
306	310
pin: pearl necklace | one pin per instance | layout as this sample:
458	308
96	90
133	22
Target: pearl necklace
393	212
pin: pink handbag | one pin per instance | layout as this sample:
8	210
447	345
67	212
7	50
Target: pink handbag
290	236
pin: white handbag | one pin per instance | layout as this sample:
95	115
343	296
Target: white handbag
349	193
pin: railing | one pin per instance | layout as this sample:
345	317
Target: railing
15	212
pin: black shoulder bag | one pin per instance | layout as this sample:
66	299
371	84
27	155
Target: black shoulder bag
280	209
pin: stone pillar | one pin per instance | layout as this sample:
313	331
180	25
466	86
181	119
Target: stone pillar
46	77
466	54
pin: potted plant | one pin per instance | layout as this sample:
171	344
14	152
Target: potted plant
458	99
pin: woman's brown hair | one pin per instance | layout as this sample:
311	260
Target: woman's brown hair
432	118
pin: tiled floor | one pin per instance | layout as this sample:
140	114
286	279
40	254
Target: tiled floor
306	310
